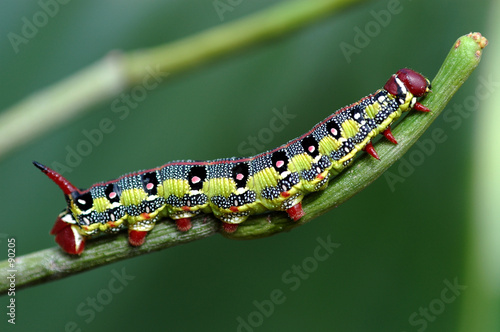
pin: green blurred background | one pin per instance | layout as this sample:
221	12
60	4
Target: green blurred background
399	245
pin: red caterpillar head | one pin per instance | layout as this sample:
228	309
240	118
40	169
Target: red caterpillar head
66	228
408	80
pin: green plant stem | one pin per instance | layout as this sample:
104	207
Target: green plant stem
52	263
106	78
481	299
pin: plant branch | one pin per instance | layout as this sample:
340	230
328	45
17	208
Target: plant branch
63	101
51	264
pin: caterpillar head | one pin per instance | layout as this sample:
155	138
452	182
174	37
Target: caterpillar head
66	228
407	80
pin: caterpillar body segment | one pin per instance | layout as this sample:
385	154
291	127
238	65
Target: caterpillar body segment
235	188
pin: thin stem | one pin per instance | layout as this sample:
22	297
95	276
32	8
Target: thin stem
52	263
481	300
63	101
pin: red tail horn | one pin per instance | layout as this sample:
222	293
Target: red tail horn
58	179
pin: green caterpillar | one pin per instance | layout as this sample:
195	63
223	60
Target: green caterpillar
235	188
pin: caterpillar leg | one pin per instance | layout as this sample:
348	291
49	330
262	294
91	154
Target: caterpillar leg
388	134
230	221
183	219
183	224
67	235
136	238
371	150
296	212
137	232
421	108
229	228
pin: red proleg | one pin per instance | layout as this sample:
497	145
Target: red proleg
229	228
183	224
136	238
296	212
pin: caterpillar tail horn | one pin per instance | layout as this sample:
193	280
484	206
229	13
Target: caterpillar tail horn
58	179
65	228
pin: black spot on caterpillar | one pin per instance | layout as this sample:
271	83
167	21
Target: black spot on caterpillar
234	188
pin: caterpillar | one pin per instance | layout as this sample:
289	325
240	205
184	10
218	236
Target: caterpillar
235	188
